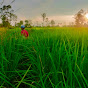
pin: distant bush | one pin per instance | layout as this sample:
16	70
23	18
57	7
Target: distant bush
1	25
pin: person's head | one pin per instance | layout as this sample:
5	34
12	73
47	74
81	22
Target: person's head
22	27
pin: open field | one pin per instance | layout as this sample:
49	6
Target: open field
49	58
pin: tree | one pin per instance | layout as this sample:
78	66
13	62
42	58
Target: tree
47	22
26	23
19	24
80	18
7	15
30	22
43	16
52	23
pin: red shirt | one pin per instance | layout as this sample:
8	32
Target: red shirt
25	33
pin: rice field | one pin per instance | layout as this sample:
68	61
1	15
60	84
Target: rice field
48	58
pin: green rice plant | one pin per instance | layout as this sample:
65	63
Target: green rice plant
58	58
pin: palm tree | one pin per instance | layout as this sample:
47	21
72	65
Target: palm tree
43	16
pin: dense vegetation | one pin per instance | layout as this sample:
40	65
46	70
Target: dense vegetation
49	58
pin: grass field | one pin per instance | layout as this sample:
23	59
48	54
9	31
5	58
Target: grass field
49	58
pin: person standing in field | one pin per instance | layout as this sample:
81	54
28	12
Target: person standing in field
24	32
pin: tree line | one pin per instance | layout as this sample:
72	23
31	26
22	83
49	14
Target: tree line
7	16
29	23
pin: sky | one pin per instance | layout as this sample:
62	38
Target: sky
57	10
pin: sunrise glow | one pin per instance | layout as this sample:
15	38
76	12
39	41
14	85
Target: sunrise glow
86	16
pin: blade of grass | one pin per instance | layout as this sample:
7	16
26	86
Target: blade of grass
82	75
23	77
77	79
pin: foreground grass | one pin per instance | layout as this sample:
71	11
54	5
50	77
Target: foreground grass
49	58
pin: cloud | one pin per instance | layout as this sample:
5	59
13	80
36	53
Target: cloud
62	18
57	19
